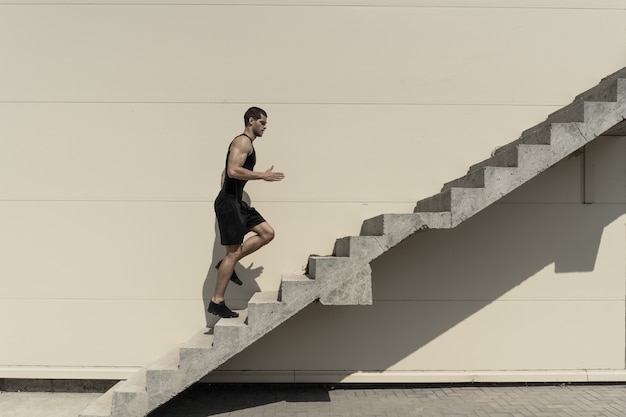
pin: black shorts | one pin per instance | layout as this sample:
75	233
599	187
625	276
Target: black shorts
235	218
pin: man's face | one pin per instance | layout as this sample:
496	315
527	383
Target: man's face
259	125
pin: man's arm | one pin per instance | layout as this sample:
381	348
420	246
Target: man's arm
239	151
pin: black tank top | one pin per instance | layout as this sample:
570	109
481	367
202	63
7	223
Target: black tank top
233	186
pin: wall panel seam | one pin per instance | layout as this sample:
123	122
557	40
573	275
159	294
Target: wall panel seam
379	4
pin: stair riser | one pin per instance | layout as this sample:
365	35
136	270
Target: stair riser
320	267
506	156
566	138
294	291
474	179
342	281
585	112
363	248
260	315
437	203
129	404
466	202
352	287
231	337
195	363
162	385
600	117
539	135
264	320
574	112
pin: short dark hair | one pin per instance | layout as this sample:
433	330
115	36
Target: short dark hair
255	112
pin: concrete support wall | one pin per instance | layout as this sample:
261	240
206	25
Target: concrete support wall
115	120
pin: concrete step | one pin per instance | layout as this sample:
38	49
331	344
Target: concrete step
449	200
602	116
532	159
540	134
265	312
587	107
606	90
574	112
130	398
461	202
101	407
487	177
342	280
504	156
197	357
296	287
232	334
473	179
264	308
401	225
322	266
363	248
162	379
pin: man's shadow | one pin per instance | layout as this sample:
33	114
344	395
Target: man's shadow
237	296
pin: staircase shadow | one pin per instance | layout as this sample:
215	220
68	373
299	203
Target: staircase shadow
219	399
429	284
423	287
433	281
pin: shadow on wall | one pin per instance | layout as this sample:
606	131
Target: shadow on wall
233	292
433	281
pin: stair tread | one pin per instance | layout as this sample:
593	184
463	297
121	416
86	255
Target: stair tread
297	278
167	362
235	321
136	383
202	339
264	297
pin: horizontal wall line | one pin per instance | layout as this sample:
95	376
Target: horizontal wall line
234	299
208	201
443	4
412	201
280	103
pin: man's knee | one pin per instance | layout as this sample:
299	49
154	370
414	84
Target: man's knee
266	233
234	252
270	235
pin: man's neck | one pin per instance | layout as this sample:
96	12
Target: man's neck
250	134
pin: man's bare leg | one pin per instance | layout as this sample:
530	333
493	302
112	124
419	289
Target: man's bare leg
234	253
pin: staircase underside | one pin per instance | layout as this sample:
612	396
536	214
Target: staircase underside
345	277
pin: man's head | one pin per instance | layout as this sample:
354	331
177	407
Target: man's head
256	120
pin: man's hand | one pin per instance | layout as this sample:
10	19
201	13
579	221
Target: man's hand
270	175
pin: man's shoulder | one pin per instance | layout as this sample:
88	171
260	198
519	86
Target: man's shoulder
243	143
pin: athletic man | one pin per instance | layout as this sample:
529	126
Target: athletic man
234	217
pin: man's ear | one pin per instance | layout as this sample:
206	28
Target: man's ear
250	121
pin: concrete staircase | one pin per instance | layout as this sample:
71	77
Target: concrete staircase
345	277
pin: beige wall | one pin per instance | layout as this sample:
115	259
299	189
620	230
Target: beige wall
115	119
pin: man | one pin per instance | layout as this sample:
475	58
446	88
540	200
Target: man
234	217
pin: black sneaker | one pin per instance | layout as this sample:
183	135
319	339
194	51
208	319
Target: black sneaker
234	278
222	310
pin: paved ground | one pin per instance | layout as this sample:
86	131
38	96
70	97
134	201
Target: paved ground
41	404
205	400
